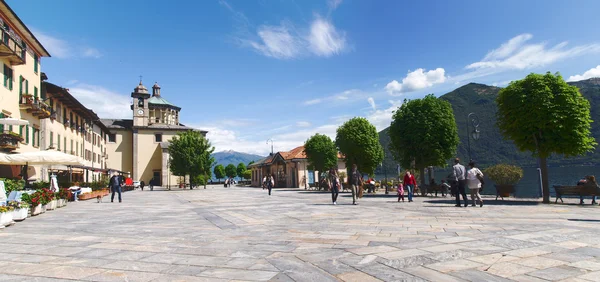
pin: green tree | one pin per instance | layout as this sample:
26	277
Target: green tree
545	115
241	168
423	133
219	171
320	152
251	162
230	170
247	174
358	140
190	154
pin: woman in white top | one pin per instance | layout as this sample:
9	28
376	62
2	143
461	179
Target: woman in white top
473	182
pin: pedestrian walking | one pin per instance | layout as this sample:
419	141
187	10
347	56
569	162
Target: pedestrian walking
142	184
151	182
115	186
334	181
270	183
409	183
459	173
400	192
264	182
356	179
475	181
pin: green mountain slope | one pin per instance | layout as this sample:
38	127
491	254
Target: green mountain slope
232	157
491	148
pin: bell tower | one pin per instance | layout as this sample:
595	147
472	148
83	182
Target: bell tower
140	109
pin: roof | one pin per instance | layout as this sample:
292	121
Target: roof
294	154
159	101
117	123
22	29
67	99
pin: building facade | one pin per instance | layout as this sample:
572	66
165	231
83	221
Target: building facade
289	168
140	145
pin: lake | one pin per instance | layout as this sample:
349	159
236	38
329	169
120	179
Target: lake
529	186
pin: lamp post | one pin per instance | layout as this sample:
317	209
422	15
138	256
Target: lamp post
270	140
474	120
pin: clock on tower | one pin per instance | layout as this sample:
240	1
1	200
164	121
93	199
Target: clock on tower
140	98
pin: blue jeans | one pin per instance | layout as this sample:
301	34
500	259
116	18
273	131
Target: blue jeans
409	189
115	189
75	194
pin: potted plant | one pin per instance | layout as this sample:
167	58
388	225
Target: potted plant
34	202
63	196
49	198
6	215
505	176
21	210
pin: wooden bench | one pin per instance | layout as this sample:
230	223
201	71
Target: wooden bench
434	189
580	190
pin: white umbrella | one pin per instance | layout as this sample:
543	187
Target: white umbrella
43	158
13	121
4	159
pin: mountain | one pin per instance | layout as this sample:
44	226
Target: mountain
232	157
492	148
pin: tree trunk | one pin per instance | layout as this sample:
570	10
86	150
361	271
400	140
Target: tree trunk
423	183
545	185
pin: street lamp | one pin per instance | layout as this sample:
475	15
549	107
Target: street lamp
474	119
271	140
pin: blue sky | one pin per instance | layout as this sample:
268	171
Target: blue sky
248	71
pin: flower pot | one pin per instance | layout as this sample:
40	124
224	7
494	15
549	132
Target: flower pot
52	205
6	218
505	190
20	214
44	208
36	210
61	203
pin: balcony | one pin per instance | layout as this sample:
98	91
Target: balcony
35	106
12	47
9	141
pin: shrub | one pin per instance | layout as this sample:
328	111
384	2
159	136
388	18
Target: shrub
13	185
6	209
40	185
46	196
63	194
18	205
33	200
504	174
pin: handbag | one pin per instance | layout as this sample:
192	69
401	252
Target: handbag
480	178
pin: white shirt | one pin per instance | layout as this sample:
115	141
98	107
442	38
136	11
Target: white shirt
472	180
459	172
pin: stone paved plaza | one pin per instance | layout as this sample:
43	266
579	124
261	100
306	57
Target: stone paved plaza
230	234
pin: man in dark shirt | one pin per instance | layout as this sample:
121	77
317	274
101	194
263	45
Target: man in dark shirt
115	184
356	183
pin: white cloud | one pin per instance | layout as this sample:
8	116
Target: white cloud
381	119
278	42
104	102
312	102
416	80
333	4
372	103
324	39
346	95
62	49
593	72
303	124
518	54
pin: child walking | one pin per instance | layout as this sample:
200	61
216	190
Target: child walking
400	192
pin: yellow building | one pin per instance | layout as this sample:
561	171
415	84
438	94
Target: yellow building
73	129
20	54
140	145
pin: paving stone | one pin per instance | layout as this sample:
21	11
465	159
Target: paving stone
137	266
558	273
508	269
249	275
539	262
568	257
356	276
475	276
299	270
409	262
387	273
68	272
122	275
587	265
430	275
592	276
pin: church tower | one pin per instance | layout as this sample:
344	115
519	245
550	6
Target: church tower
140	97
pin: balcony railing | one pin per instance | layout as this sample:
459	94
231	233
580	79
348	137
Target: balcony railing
35	106
9	141
12	47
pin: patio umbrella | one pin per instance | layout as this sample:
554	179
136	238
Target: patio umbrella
43	158
4	159
13	121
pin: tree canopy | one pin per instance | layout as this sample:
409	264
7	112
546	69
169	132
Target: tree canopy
358	140
241	168
321	152
219	171
230	170
247	174
423	133
190	154
545	115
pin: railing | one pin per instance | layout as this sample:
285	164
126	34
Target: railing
35	106
9	141
13	43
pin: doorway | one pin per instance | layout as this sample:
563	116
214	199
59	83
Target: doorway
157	178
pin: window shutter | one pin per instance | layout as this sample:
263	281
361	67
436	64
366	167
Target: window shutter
21	130
26	86
10	79
35	63
5	77
27	134
1	125
20	87
35	92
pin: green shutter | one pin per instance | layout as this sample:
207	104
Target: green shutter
5	77
35	92
10	79
35	63
27	86
27	134
20	86
1	125
21	130
51	138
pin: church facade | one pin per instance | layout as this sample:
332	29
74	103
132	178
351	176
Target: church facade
139	146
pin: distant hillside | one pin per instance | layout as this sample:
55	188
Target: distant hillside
491	148
232	157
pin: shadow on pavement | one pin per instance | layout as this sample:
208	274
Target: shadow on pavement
584	220
486	202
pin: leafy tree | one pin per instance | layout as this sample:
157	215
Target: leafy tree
251	162
247	174
320	152
545	115
241	168
423	133
190	154
219	171
358	140
230	170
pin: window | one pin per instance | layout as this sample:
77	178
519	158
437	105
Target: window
35	137
58	142
94	158
51	104
1	125
158	137
65	119
36	61
8	77
72	148
51	139
27	134
35	92
77	149
65	143
58	112
112	138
